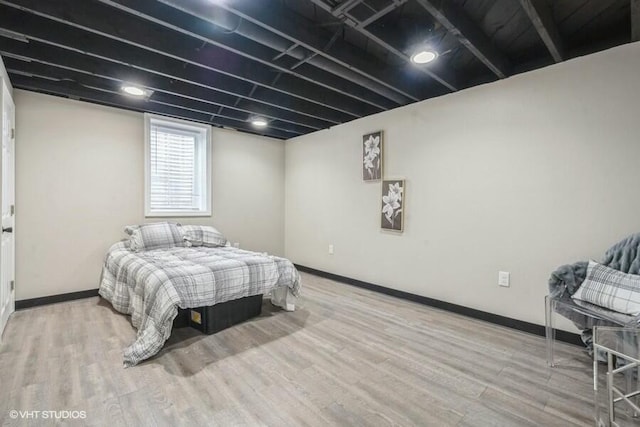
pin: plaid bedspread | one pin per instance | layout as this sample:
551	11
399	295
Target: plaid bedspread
150	285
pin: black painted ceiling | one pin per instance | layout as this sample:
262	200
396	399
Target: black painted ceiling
305	65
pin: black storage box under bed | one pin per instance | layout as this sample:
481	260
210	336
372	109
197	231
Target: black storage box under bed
220	316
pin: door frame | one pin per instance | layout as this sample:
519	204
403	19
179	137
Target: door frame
7	99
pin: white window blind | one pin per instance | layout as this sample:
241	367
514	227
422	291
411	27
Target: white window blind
178	165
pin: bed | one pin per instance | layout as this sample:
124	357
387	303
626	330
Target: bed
164	266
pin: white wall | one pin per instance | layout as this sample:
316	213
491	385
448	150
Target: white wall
80	180
521	175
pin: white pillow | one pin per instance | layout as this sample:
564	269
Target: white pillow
156	236
611	289
203	235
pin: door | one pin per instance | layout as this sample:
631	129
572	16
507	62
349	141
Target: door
7	241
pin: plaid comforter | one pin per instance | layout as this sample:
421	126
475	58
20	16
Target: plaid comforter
150	285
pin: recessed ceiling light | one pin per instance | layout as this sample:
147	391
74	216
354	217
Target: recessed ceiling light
133	90
424	56
259	122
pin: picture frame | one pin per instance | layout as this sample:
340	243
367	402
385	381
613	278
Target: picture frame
372	156
392	205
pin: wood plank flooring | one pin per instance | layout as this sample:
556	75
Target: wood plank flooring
347	356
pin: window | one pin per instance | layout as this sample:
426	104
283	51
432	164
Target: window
177	167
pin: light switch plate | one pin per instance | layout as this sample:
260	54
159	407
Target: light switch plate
503	278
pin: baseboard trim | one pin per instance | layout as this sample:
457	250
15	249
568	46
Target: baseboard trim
52	299
520	325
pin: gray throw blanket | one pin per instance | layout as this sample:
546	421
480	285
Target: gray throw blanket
565	281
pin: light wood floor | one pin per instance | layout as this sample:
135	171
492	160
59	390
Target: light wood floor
347	356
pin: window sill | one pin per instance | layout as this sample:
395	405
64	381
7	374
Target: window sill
176	214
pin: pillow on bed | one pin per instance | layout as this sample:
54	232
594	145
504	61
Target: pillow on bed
611	289
155	236
203	235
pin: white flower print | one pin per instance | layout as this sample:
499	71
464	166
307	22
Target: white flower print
391	201
392	204
372	145
396	189
368	161
372	153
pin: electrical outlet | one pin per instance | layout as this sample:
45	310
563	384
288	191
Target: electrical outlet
236	244
330	249
503	279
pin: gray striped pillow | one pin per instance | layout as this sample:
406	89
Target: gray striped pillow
611	289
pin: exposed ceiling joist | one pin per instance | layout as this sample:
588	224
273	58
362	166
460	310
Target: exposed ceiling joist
468	33
448	82
232	32
271	19
382	12
74	61
56	34
635	20
541	17
103	97
162	82
131	62
168	97
303	65
345	6
113	24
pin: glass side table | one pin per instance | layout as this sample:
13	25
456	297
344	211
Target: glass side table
616	382
583	313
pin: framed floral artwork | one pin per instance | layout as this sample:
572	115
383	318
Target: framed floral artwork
392	214
372	156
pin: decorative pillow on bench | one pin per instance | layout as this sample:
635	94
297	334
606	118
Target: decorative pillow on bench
611	289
